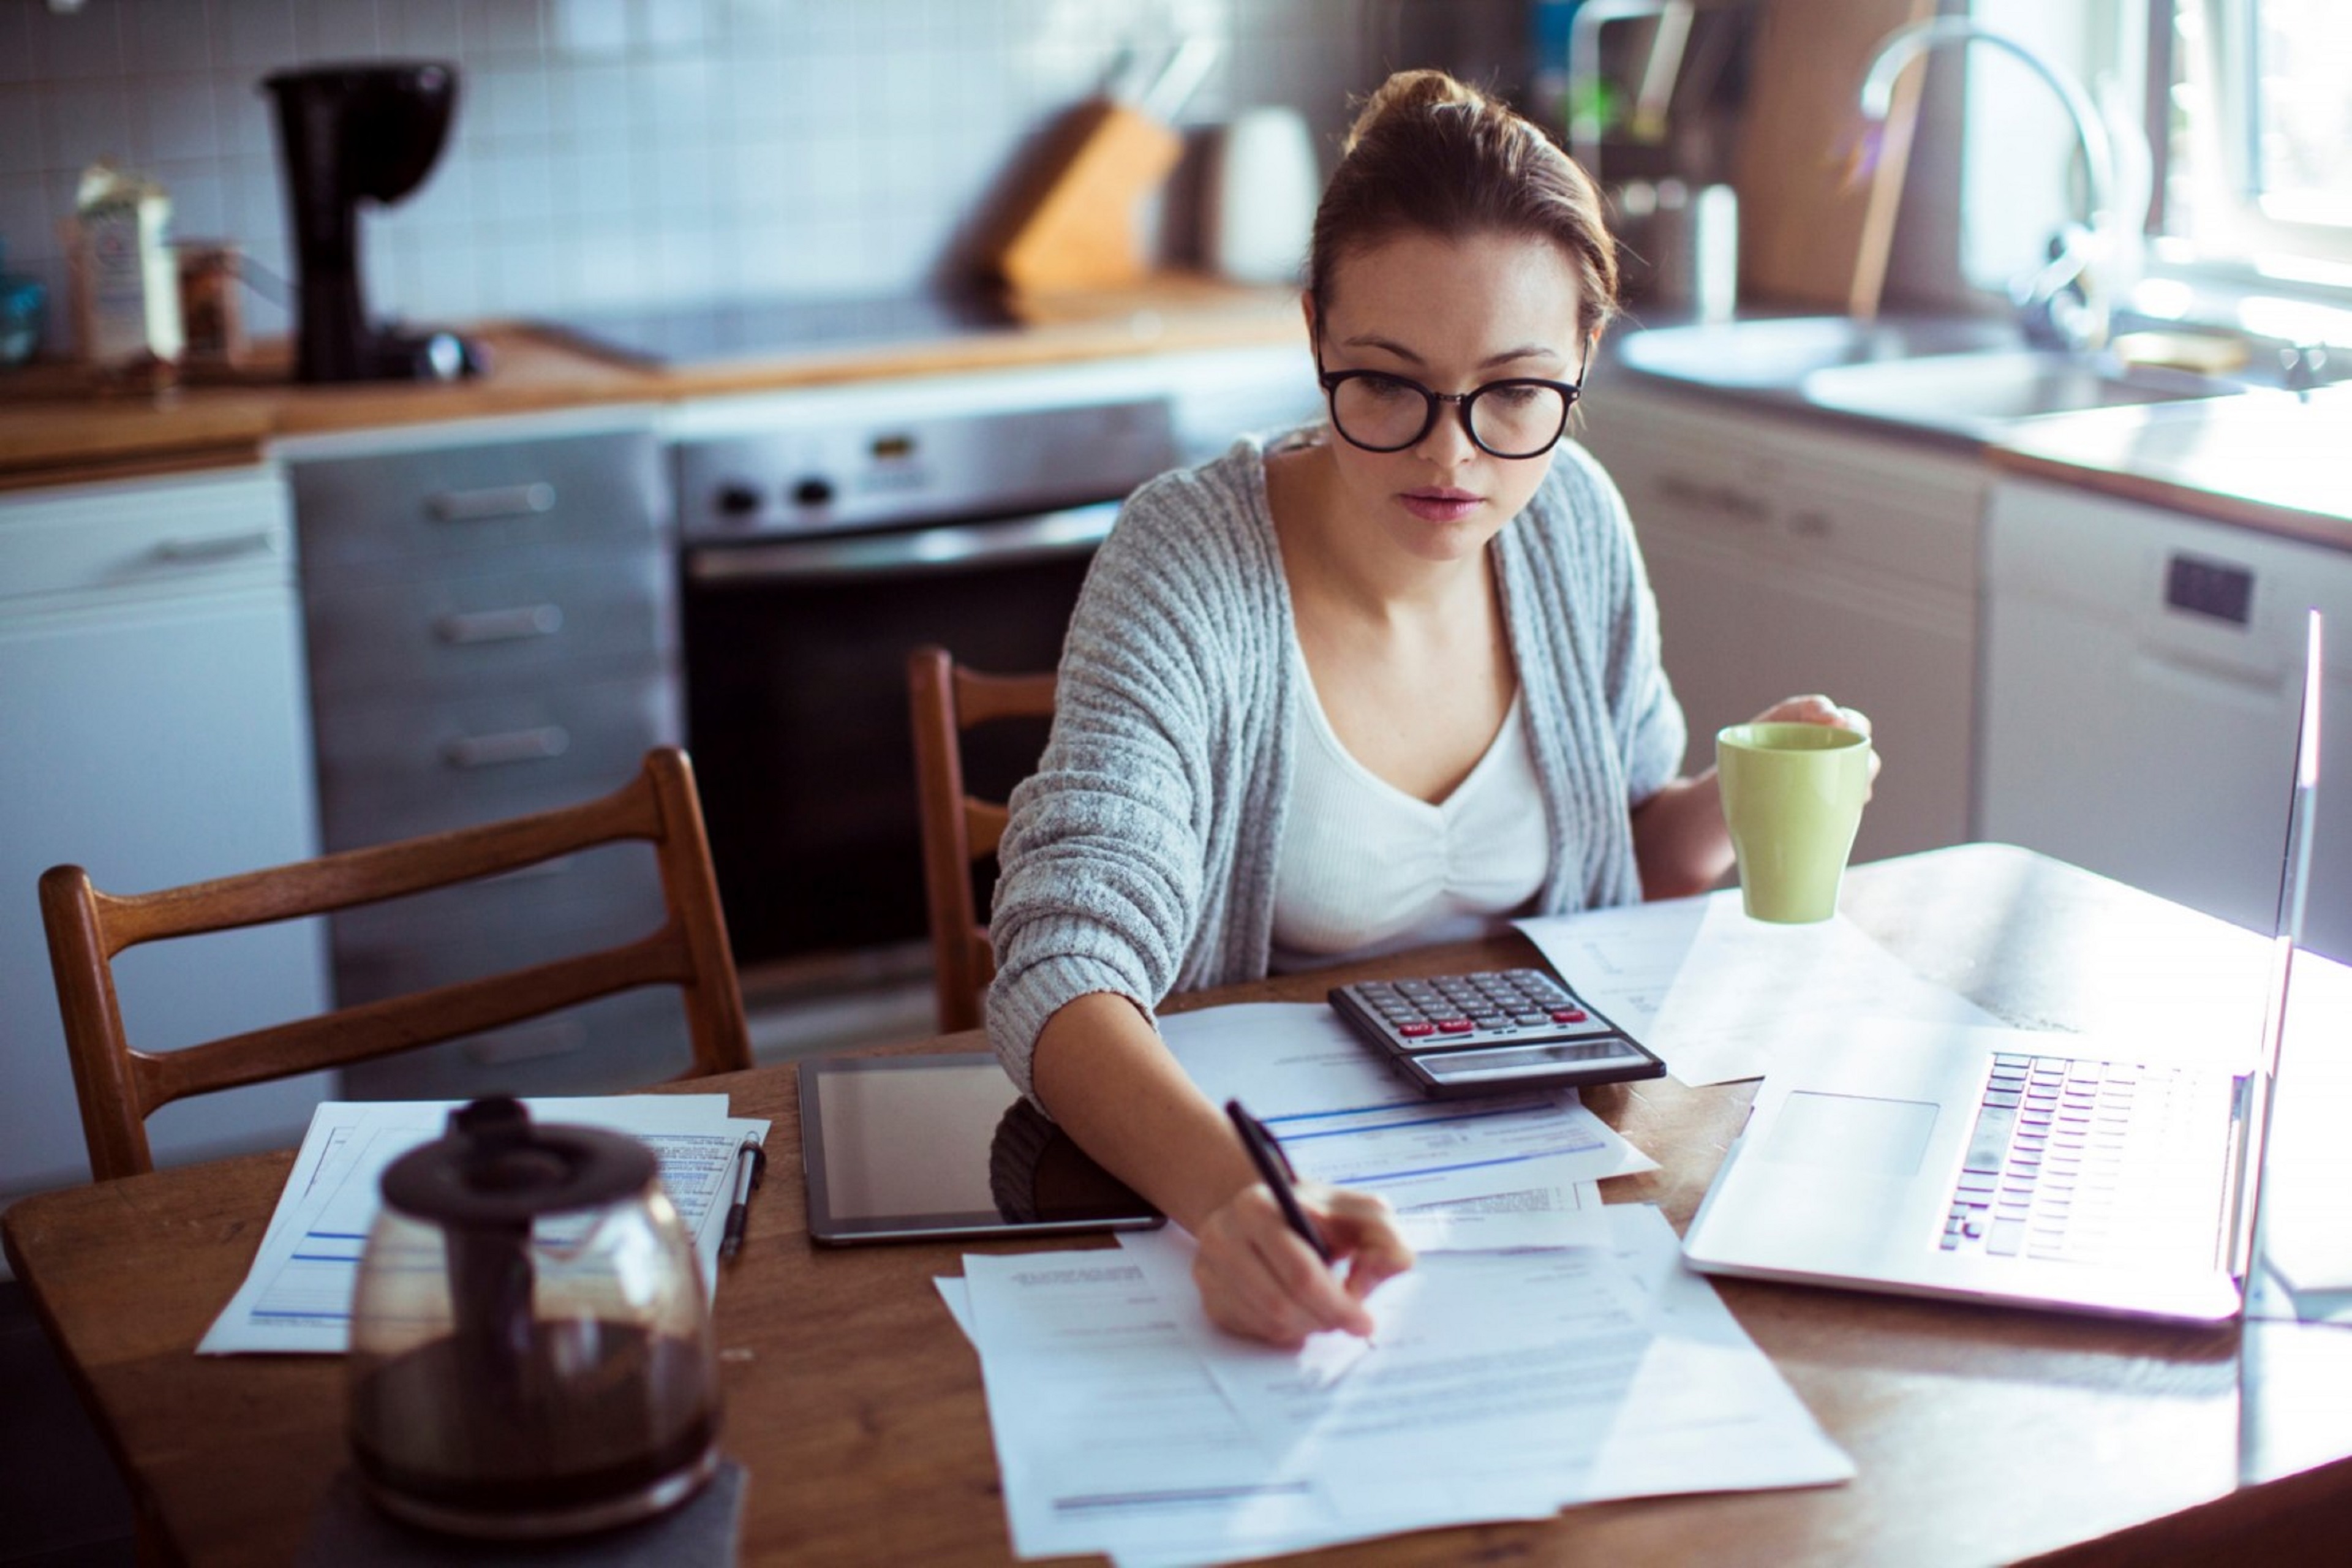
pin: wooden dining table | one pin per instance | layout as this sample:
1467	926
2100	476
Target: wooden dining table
1981	1434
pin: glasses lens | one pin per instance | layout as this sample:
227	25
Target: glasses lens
1518	418
1383	412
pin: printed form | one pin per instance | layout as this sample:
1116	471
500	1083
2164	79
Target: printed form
297	1296
1497	1385
1343	1117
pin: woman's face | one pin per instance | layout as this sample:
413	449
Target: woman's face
1452	314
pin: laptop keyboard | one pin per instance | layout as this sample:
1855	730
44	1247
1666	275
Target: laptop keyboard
2093	1162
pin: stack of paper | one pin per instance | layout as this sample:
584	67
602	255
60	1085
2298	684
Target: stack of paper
1496	1385
1545	1350
298	1294
1719	996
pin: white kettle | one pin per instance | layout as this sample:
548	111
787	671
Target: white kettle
1260	192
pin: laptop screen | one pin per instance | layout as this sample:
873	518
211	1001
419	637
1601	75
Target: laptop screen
2295	871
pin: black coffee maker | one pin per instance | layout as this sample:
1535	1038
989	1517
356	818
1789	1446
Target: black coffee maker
347	131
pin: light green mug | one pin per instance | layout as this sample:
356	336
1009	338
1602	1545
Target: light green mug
1793	797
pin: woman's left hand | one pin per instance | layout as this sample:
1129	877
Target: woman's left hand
1819	709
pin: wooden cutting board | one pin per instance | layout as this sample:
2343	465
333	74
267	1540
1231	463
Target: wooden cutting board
1814	223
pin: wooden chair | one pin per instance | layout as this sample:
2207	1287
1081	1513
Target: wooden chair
119	1085
959	829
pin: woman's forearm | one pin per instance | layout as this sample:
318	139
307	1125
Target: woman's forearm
1106	1077
1679	840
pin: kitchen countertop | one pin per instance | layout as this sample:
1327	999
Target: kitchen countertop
56	429
2270	461
2265	459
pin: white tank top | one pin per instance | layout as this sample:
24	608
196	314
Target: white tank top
1366	869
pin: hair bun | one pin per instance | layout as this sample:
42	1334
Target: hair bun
1407	90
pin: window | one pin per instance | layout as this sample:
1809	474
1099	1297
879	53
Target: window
2256	137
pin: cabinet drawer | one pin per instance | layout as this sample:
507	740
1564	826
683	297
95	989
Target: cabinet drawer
422	511
395	770
607	615
132	540
615	889
1801	494
605	1047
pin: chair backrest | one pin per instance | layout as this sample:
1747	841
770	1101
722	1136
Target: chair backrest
118	1086
959	829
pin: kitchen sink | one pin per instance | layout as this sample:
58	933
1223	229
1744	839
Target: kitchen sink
1780	352
1975	393
1964	375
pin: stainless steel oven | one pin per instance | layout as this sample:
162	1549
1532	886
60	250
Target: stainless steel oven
824	539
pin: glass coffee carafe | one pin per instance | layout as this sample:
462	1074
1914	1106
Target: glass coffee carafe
531	1351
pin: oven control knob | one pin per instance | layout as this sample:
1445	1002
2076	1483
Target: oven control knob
737	500
813	492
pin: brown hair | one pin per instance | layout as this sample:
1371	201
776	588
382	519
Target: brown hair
1427	152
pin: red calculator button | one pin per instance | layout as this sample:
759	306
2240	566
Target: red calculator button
1417	1030
1454	1025
1569	1015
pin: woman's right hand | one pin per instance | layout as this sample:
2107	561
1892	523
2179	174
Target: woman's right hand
1259	1279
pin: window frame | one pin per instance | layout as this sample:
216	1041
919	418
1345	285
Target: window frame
2227	232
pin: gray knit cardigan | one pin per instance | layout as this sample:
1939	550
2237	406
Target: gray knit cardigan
1140	855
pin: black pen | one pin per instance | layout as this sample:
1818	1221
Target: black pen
1273	1170
748	1173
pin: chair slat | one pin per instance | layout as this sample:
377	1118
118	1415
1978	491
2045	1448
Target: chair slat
374	1029
338	882
944	699
117	1085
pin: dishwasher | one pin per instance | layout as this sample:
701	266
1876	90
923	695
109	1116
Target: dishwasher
2140	685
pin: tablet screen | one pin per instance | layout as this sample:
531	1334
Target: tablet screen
903	1148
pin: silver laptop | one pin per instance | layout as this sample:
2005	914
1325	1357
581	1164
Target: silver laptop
2007	1167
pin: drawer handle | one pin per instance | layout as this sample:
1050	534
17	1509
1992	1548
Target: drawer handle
463	627
499	501
220	547
1715	498
513	746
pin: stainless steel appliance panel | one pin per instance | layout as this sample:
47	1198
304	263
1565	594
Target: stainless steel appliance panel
574	892
396	770
872	474
419	514
634	1037
817	556
586	613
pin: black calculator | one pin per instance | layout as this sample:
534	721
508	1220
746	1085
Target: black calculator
1491	1032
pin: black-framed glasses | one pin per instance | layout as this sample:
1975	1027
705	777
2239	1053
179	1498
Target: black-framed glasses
1519	416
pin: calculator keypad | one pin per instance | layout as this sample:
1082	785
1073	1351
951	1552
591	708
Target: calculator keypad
1445	1012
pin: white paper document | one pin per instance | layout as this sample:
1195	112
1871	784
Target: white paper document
1535	1216
297	1296
1497	1385
1343	1117
1719	995
1562	1377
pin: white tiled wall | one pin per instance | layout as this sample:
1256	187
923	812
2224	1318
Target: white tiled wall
613	153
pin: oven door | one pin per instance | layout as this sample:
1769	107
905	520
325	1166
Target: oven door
797	715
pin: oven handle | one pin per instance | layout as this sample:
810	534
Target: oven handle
1040	537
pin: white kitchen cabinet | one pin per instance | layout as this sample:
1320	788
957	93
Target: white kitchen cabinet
1789	557
2143	671
152	729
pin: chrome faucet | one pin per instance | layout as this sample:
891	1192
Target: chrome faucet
2091	262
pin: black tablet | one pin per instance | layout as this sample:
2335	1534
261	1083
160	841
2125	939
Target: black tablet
913	1148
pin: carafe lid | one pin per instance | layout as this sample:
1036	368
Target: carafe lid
497	1168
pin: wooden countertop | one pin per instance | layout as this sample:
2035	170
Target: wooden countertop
56	428
2266	460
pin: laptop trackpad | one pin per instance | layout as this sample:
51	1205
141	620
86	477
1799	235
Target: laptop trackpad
1852	1132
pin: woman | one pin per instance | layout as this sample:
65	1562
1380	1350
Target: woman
1389	681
